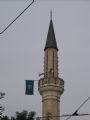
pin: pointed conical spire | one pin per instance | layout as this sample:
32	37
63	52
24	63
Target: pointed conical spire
51	40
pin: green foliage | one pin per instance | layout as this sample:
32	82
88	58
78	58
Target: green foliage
31	116
21	115
5	118
25	115
1	107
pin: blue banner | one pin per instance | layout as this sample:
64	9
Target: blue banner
29	87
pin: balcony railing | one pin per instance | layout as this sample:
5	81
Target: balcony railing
47	81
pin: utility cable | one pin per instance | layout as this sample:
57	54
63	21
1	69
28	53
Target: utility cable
16	18
51	117
76	112
25	10
46	0
84	114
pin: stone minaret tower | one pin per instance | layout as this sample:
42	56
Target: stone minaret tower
51	86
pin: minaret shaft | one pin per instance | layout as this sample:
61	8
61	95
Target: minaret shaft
51	63
51	86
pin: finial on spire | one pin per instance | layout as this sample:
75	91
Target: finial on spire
51	14
51	39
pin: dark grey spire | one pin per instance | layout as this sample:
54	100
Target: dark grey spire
51	40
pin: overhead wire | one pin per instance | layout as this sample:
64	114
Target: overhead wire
76	111
65	0
27	8
16	17
49	117
43	0
83	114
13	0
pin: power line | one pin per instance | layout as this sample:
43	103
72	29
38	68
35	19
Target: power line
49	117
16	18
43	0
76	112
84	114
27	8
65	0
14	0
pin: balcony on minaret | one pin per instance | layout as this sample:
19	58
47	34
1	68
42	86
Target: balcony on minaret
47	82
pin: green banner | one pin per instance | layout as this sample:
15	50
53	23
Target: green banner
29	87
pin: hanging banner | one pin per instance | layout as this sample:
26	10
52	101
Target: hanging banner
29	87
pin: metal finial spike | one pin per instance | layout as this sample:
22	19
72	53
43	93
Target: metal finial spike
51	14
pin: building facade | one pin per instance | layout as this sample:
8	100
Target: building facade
51	86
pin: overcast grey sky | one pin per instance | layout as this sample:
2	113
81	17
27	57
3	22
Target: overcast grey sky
22	55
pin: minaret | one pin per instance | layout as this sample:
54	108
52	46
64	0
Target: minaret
51	86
